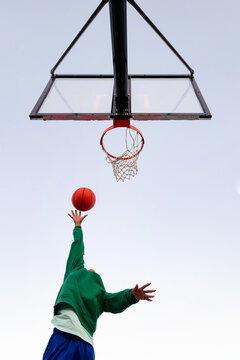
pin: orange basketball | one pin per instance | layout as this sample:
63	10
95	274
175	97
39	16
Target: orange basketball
83	199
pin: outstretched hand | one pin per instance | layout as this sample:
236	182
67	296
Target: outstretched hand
77	217
141	294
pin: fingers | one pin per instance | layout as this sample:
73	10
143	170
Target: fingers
145	293
83	217
75	213
148	297
135	290
144	286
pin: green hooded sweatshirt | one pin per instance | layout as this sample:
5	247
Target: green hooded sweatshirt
84	291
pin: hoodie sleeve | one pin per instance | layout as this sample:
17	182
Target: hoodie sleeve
118	302
75	258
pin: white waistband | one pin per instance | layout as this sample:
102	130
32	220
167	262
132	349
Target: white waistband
66	320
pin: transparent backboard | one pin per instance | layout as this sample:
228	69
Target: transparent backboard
78	95
156	97
164	95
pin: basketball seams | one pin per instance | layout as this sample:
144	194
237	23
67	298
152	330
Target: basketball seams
82	200
90	201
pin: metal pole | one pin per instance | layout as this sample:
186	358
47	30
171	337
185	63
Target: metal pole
92	17
118	19
146	18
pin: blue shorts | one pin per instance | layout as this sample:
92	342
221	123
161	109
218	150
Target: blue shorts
64	346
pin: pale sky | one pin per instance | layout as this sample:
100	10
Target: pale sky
176	224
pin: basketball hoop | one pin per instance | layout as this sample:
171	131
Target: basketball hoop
125	165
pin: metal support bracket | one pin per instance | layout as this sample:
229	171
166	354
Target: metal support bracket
146	18
92	17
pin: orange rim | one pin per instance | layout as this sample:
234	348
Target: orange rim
115	157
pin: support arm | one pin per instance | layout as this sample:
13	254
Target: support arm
146	18
92	17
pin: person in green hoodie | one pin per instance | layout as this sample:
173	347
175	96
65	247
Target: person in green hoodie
82	298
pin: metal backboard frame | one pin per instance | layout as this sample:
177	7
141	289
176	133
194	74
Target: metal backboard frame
112	113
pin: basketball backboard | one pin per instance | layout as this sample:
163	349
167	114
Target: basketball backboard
121	97
151	97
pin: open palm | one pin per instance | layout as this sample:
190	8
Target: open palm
77	217
140	294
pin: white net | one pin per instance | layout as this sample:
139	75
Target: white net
125	166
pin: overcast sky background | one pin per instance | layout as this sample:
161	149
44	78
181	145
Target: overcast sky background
175	224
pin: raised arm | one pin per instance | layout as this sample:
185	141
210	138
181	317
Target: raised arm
75	258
